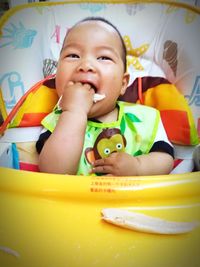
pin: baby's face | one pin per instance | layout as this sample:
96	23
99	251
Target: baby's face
92	53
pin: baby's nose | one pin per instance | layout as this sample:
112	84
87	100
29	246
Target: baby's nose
86	66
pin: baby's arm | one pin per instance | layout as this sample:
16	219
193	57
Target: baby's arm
123	164
61	152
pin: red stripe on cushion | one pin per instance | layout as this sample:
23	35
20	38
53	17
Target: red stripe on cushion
177	162
28	167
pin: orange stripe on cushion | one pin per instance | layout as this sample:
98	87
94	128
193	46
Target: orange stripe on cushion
33	119
177	126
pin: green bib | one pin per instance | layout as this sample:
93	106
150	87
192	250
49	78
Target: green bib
134	133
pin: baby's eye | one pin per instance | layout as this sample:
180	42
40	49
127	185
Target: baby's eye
72	56
104	58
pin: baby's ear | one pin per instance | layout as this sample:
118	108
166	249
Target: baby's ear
125	82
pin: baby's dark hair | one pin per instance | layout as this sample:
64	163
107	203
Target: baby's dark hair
124	52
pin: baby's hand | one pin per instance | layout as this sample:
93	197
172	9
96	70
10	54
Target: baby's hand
117	164
77	97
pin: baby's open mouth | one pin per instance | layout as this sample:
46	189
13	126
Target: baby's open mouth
97	97
91	84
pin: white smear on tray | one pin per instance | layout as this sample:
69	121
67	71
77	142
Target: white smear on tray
10	251
144	223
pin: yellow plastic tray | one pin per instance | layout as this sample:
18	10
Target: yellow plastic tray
49	220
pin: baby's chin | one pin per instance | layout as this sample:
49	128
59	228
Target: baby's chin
99	111
96	111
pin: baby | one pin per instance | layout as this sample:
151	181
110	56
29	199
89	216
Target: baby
105	137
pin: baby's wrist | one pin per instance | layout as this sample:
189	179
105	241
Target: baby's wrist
77	114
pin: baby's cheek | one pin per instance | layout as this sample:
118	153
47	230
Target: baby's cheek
58	86
59	92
